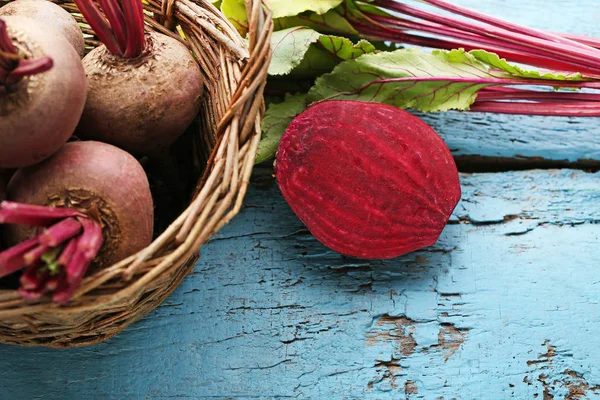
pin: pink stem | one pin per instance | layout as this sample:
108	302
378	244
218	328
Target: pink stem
87	248
74	274
470	42
115	17
67	252
502	52
6	44
35	254
134	15
33	277
592	42
96	20
11	260
493	94
465	12
29	67
31	296
557	50
556	109
60	232
27	214
91	239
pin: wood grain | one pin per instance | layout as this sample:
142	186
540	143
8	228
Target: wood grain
504	306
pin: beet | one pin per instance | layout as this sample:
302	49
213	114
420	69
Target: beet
145	89
141	105
97	179
368	180
51	14
42	91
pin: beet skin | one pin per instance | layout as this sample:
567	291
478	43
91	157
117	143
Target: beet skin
95	178
368	180
46	12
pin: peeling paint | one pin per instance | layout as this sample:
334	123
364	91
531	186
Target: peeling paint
450	339
394	329
410	387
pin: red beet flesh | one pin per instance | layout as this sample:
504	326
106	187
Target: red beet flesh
368	180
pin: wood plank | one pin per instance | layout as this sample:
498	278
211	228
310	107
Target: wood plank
504	305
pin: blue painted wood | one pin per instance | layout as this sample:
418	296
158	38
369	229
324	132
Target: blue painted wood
506	304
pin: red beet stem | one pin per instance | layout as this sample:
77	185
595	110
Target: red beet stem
67	252
86	249
468	41
60	232
12	259
33	277
27	214
31	296
529	58
18	250
34	254
555	109
100	26
560	49
115	16
6	44
75	271
134	15
90	241
465	12
30	67
501	93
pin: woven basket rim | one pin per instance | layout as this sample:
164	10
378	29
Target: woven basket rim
234	117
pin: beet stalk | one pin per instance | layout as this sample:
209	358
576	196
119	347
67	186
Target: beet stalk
41	256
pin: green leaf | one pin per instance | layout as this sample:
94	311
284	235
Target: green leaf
331	22
289	48
407	78
303	52
494	61
288	8
276	120
235	11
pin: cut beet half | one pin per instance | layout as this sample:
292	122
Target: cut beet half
368	180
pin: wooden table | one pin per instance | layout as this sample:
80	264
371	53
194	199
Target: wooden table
505	305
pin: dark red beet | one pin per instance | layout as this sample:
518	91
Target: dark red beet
97	179
368	180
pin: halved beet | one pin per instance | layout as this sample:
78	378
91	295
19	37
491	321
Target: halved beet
368	180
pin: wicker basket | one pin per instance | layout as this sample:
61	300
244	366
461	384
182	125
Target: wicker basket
235	71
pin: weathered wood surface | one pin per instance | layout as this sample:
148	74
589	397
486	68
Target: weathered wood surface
506	305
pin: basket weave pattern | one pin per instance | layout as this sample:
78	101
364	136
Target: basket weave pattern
235	74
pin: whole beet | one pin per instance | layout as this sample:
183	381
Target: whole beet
368	180
141	104
39	113
98	179
46	12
